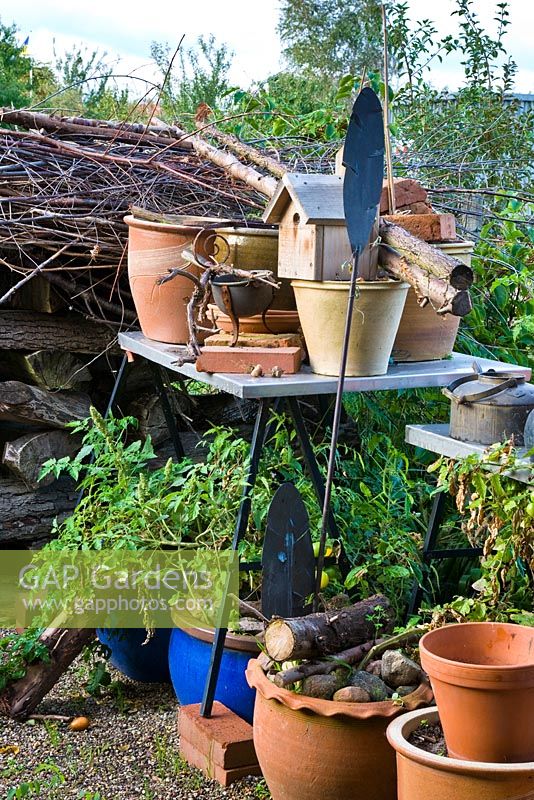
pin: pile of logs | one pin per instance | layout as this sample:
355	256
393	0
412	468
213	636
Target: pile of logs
65	186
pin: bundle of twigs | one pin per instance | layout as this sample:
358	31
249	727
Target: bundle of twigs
66	184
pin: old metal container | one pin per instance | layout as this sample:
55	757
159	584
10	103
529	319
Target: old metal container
489	406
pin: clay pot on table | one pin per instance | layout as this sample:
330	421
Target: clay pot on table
425	776
322	308
153	249
318	749
424	335
275	322
255	248
482	674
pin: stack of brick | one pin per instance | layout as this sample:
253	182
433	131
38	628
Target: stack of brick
221	746
414	213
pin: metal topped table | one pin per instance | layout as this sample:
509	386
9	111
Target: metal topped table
275	394
415	375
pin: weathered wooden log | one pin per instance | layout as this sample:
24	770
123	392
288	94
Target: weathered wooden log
22	330
231	164
122	132
445	298
245	151
25	456
328	632
148	411
21	698
48	369
26	515
428	258
351	656
22	403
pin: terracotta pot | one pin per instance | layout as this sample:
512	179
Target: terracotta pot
277	322
322	307
257	248
424	776
424	335
153	249
482	674
321	749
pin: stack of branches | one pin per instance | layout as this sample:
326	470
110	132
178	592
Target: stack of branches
66	184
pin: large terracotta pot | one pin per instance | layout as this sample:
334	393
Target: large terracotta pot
322	307
257	248
482	674
424	335
321	749
153	249
425	776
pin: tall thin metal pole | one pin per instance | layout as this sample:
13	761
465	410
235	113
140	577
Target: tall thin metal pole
335	426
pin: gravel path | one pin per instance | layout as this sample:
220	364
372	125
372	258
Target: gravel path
129	752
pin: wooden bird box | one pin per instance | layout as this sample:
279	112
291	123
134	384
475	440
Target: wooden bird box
313	242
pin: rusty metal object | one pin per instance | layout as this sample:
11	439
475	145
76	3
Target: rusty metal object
490	406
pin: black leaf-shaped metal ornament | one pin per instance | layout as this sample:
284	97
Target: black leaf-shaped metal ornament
363	158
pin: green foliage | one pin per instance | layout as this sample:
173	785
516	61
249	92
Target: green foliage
502	321
85	86
18	652
331	37
498	514
48	778
15	68
202	76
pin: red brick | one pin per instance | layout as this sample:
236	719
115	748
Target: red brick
255	340
225	738
407	191
242	360
223	776
428	227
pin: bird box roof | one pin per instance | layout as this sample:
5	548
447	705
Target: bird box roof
319	199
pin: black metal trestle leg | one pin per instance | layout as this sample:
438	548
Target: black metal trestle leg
430	553
109	409
160	377
315	474
258	439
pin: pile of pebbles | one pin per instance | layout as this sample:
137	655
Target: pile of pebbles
394	675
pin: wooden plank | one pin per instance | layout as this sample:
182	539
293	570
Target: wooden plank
22	403
25	456
23	330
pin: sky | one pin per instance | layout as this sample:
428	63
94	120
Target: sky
126	29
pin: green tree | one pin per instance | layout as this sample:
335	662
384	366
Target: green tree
331	37
201	75
15	68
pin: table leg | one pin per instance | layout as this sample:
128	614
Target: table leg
258	439
109	409
310	461
160	377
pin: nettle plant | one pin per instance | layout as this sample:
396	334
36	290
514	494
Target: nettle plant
498	515
128	505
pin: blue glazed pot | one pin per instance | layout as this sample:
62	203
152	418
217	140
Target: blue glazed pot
189	657
146	663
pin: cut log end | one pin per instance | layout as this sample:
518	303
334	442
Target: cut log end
279	640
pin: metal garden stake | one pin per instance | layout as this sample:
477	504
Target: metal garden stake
363	158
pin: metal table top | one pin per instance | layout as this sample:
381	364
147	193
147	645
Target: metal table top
399	376
436	439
